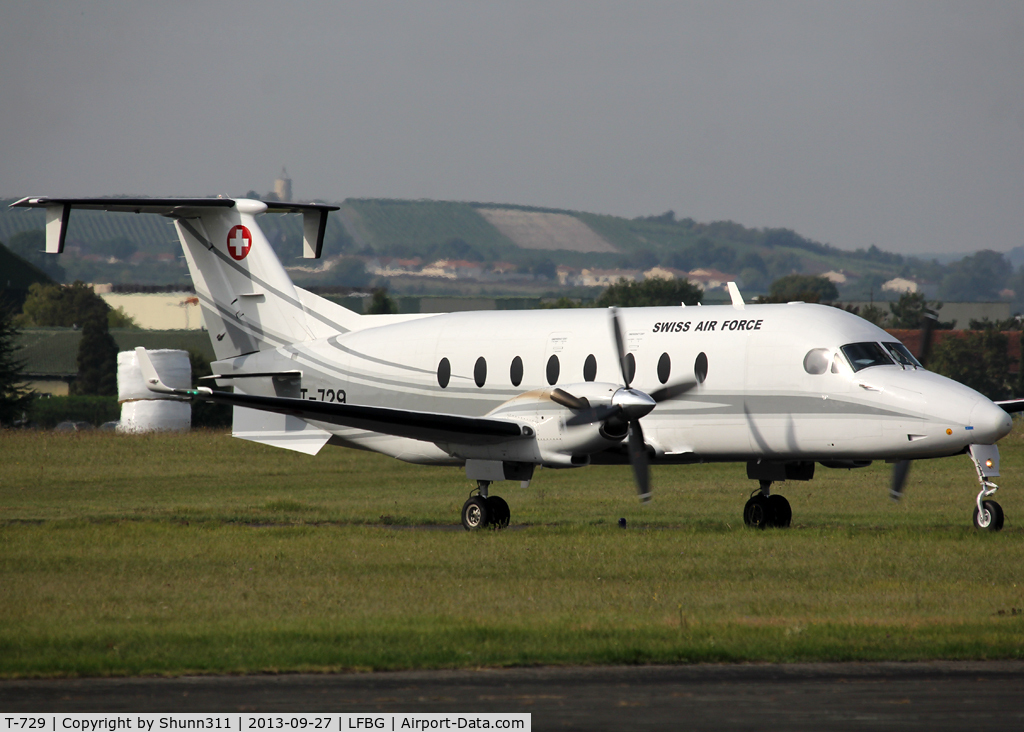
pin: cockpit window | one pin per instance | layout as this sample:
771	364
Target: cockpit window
866	355
901	354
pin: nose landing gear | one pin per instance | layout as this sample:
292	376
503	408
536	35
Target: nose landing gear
765	509
988	515
482	510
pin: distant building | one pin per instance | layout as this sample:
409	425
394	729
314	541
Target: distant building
283	186
709	279
900	284
567	275
665	273
836	278
603	277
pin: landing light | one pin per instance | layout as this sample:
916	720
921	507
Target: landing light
949	431
988	463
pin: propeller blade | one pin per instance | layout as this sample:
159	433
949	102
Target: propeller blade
638	459
620	345
899	478
575	403
673	390
928	322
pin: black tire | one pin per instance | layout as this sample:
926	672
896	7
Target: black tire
779	512
498	512
992	520
474	514
755	513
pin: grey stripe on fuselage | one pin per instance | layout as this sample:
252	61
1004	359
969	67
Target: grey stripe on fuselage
238	322
772	405
333	341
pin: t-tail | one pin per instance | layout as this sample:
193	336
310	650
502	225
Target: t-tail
248	301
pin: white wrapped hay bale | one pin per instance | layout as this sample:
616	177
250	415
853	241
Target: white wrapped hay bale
145	411
155	415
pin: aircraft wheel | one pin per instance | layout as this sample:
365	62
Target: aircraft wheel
474	513
498	512
755	513
779	512
991	518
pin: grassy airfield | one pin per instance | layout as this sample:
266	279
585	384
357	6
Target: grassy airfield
199	553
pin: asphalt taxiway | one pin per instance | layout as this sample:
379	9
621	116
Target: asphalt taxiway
859	696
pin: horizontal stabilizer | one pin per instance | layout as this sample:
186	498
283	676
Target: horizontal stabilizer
58	211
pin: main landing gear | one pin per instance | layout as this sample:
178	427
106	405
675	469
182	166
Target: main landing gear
764	509
482	510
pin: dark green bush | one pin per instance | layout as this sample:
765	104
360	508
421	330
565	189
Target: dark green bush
50	411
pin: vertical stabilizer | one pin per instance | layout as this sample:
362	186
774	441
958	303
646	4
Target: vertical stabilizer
249	303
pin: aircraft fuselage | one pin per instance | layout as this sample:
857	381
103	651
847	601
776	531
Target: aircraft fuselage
776	381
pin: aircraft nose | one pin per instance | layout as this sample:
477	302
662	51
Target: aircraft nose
990	423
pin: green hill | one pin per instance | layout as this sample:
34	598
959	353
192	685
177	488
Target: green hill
532	238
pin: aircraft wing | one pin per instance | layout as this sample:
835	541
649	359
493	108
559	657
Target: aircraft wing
425	426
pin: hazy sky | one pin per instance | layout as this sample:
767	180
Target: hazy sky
899	124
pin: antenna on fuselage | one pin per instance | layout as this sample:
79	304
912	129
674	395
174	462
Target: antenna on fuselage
737	298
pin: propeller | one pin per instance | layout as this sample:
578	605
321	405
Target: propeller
901	469
632	404
627	407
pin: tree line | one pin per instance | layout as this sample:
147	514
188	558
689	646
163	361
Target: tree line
979	358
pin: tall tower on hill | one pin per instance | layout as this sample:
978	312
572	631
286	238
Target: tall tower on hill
283	186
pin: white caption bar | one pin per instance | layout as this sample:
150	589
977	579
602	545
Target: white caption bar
259	722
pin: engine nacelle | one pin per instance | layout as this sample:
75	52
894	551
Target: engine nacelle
554	443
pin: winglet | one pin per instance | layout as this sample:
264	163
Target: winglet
737	298
149	374
153	382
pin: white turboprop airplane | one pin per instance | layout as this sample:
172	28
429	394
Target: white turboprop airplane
779	387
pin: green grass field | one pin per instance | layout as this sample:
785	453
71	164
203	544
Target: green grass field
199	553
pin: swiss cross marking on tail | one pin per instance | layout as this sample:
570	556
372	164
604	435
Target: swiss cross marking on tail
239	242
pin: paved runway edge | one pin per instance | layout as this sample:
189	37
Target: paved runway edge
925	695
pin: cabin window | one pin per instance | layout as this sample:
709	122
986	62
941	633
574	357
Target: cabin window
552	369
700	367
480	372
444	373
664	368
630	367
590	368
817	361
515	371
866	355
901	354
